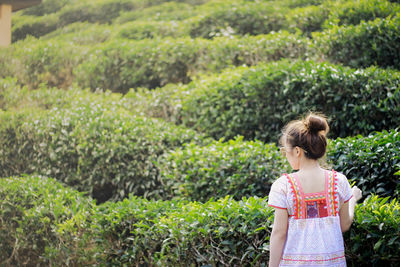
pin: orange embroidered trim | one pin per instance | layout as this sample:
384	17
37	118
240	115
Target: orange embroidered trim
296	197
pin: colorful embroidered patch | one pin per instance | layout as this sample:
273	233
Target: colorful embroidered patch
316	209
315	205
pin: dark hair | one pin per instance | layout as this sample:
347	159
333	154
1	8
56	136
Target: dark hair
309	134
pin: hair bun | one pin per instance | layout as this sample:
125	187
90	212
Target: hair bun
316	123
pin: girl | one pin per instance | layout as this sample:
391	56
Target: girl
313	206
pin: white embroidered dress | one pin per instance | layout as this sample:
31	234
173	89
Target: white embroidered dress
314	235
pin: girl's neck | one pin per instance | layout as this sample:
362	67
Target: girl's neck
307	166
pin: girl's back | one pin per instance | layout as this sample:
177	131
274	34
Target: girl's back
312	204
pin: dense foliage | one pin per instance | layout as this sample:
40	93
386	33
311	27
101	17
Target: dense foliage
122	64
45	223
371	161
368	43
374	238
90	147
168	195
236	168
256	102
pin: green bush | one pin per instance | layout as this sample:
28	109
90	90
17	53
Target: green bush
369	43
302	3
237	18
228	232
35	62
256	102
82	33
371	161
14	97
43	223
374	238
338	13
150	29
127	231
168	11
34	26
120	65
236	168
103	11
355	12
46	7
308	19
104	151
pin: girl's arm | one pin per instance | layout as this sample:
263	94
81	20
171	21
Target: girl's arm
278	237
346	212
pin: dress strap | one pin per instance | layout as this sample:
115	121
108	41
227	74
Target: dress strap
297	197
332	195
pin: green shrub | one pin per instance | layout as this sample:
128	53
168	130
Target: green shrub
302	3
127	232
150	29
355	12
82	33
106	152
14	97
313	18
374	238
308	19
34	26
46	7
173	233
43	223
35	62
103	11
237	18
168	11
369	43
120	65
236	168
47	224
370	161
256	102
228	232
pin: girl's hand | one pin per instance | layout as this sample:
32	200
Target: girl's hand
357	193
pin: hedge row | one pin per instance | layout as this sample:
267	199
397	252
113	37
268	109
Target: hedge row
374	240
109	153
224	232
122	64
111	161
43	223
168	11
100	11
207	21
256	102
46	224
112	152
338	13
14	97
235	167
104	151
375	42
371	161
243	169
36	62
